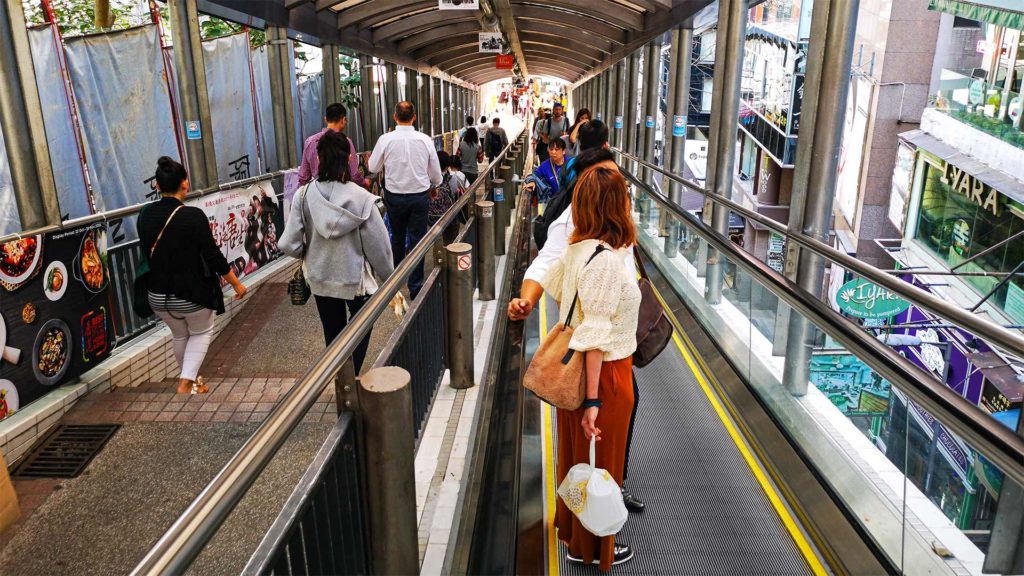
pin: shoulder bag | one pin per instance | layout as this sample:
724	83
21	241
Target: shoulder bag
140	287
298	288
556	373
653	328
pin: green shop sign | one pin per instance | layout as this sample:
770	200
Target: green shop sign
863	299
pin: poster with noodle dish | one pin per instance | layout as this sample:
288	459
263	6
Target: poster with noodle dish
55	311
246	223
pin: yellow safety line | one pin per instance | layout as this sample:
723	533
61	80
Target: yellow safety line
549	459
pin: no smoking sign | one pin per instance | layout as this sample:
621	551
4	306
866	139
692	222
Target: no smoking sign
465	262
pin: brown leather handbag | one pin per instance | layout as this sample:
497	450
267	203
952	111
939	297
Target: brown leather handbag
556	373
653	328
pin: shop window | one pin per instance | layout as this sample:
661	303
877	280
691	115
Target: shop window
955	228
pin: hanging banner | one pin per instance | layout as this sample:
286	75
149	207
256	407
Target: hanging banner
504	61
458	4
246	223
491	42
55	312
861	298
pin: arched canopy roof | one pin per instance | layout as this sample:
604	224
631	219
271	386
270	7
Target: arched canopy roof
567	39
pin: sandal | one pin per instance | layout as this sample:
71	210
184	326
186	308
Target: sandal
199	386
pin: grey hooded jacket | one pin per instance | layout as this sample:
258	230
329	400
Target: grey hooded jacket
336	227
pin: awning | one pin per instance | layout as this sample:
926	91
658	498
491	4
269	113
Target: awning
996	179
998	12
1000	374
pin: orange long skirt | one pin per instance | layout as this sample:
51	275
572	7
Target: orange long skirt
616	393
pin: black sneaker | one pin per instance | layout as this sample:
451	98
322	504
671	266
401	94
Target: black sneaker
633	504
623	554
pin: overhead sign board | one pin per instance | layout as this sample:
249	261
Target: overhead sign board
861	298
491	42
504	61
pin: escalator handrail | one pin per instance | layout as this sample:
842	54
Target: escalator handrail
992	333
994	441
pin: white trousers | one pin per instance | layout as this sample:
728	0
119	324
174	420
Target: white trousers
191	333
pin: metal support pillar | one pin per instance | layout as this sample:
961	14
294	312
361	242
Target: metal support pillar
423	103
610	86
367	110
194	97
459	327
435	94
332	74
391	97
21	117
616	100
681	55
500	214
485	250
732	24
600	106
390	477
652	91
629	104
833	24
1006	544
411	86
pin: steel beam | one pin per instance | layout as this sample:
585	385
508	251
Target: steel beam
409	25
551	14
193	95
652	83
21	118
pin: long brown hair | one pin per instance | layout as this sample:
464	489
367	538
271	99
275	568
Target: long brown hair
601	207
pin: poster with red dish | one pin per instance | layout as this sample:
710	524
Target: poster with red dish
54	311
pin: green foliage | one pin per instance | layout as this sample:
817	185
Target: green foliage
350	79
77	17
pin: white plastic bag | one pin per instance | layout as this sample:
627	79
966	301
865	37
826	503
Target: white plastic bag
594	497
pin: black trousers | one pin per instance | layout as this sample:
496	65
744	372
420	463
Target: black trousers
333	317
471	177
542	151
407	214
632	419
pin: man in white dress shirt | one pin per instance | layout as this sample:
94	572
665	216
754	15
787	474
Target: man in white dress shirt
411	169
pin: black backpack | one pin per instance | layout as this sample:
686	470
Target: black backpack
493	144
556	205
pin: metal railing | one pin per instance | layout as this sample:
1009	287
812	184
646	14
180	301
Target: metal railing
994	334
187	536
996	442
321	527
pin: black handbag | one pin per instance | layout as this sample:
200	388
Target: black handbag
653	328
298	288
140	286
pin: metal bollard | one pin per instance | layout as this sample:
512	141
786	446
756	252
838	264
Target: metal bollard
506	176
386	400
459	294
500	215
485	250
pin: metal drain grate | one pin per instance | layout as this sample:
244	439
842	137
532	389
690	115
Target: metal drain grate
66	451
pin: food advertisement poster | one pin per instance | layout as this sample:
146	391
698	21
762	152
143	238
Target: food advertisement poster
56	314
246	223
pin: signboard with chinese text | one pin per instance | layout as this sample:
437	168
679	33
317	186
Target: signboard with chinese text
246	223
504	61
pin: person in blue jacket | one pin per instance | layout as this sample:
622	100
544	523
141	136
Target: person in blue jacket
544	180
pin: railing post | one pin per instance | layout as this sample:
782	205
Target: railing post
387	445
500	215
459	329
485	249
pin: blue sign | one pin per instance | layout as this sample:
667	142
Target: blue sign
650	121
193	131
618	121
598	115
679	126
499	195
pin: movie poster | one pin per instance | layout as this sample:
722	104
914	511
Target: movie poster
55	311
246	223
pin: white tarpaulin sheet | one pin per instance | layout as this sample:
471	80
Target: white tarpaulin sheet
265	107
311	106
125	112
72	194
10	221
231	106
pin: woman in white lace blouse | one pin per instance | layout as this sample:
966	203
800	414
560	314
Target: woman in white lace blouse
605	330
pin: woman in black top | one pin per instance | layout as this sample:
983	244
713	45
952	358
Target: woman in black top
185	263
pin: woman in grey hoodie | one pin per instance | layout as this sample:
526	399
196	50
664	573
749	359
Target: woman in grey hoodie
336	228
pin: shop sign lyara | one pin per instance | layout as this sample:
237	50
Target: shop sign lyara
975	190
863	299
